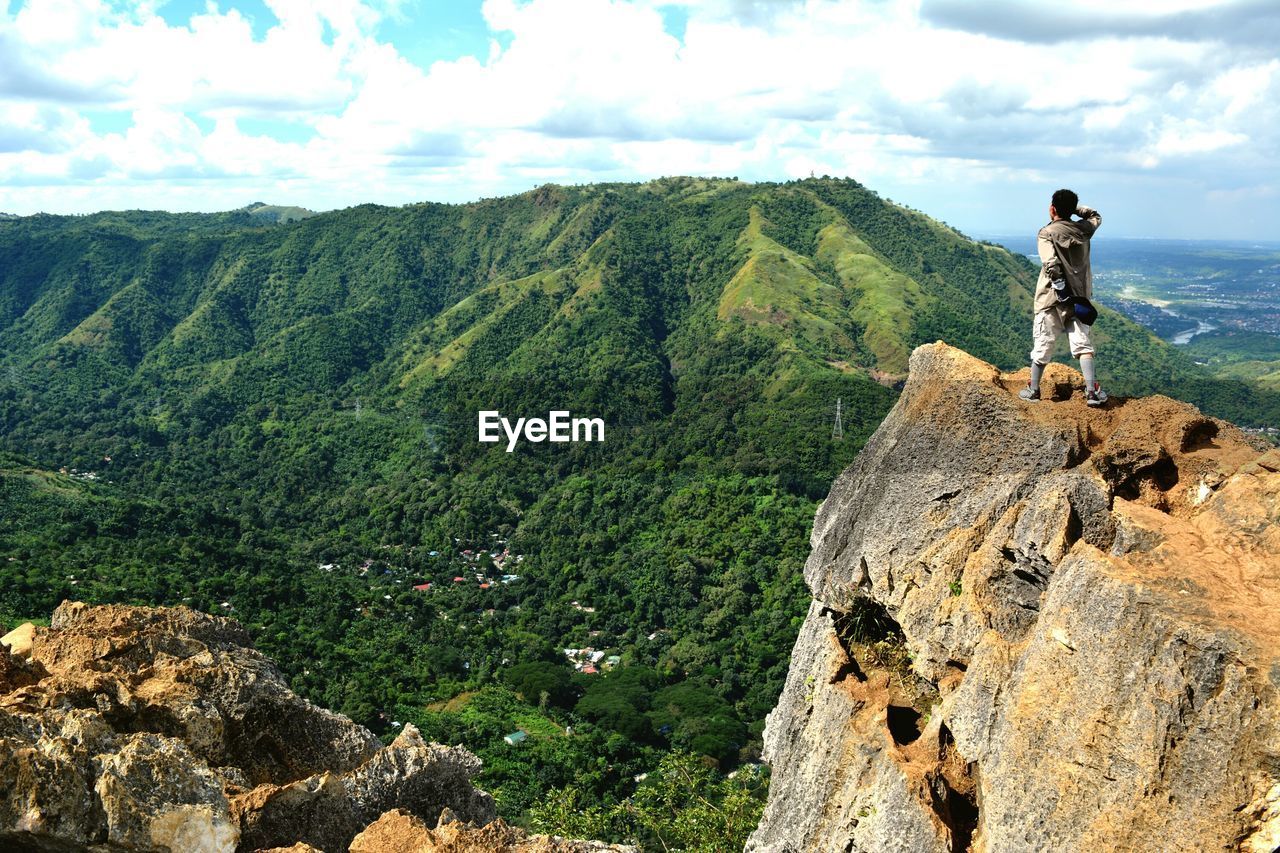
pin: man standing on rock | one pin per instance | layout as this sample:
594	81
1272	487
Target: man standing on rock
1063	291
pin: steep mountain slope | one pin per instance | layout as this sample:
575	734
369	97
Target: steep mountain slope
280	419
832	268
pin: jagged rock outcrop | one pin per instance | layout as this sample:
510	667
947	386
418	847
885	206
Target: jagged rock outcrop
1088	654
399	832
328	810
132	728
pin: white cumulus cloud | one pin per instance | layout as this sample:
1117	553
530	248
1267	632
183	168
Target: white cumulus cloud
970	111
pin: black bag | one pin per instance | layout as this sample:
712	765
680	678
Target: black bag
1082	309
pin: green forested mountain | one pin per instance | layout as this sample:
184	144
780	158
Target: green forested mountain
278	420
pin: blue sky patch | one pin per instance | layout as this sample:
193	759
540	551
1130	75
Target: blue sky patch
178	13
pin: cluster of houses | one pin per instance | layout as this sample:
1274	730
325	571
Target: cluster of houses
480	578
499	553
590	661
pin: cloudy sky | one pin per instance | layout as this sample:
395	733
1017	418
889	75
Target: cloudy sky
1161	114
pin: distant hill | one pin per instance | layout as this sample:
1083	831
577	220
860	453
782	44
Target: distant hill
1234	354
841	276
280	418
277	212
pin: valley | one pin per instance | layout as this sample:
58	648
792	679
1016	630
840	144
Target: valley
280	418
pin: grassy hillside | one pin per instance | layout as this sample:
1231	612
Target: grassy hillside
1235	355
278	421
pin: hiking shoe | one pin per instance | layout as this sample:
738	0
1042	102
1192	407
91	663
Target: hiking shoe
1095	396
1030	394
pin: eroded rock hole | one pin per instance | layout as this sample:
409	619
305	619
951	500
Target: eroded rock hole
905	724
877	654
1148	484
1075	527
1198	435
962	817
1164	474
1078	455
955	793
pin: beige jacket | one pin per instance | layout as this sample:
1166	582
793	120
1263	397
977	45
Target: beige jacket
1064	253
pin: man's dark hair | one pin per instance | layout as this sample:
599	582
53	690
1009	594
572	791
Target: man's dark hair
1065	202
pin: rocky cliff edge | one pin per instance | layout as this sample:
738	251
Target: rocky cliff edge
134	728
1035	626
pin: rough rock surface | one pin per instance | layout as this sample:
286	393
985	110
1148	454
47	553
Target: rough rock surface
327	810
159	729
399	832
1090	651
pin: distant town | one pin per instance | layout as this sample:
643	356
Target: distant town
487	565
1181	288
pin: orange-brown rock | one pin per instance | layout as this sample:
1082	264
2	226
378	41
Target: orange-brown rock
400	832
194	677
133	728
327	810
18	641
16	671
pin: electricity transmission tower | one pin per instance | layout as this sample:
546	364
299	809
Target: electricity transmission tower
837	429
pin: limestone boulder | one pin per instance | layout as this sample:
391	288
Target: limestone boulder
133	728
1078	606
397	831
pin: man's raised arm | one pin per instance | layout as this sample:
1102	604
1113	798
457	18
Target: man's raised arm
1089	215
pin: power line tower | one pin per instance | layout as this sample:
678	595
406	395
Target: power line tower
359	410
837	429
